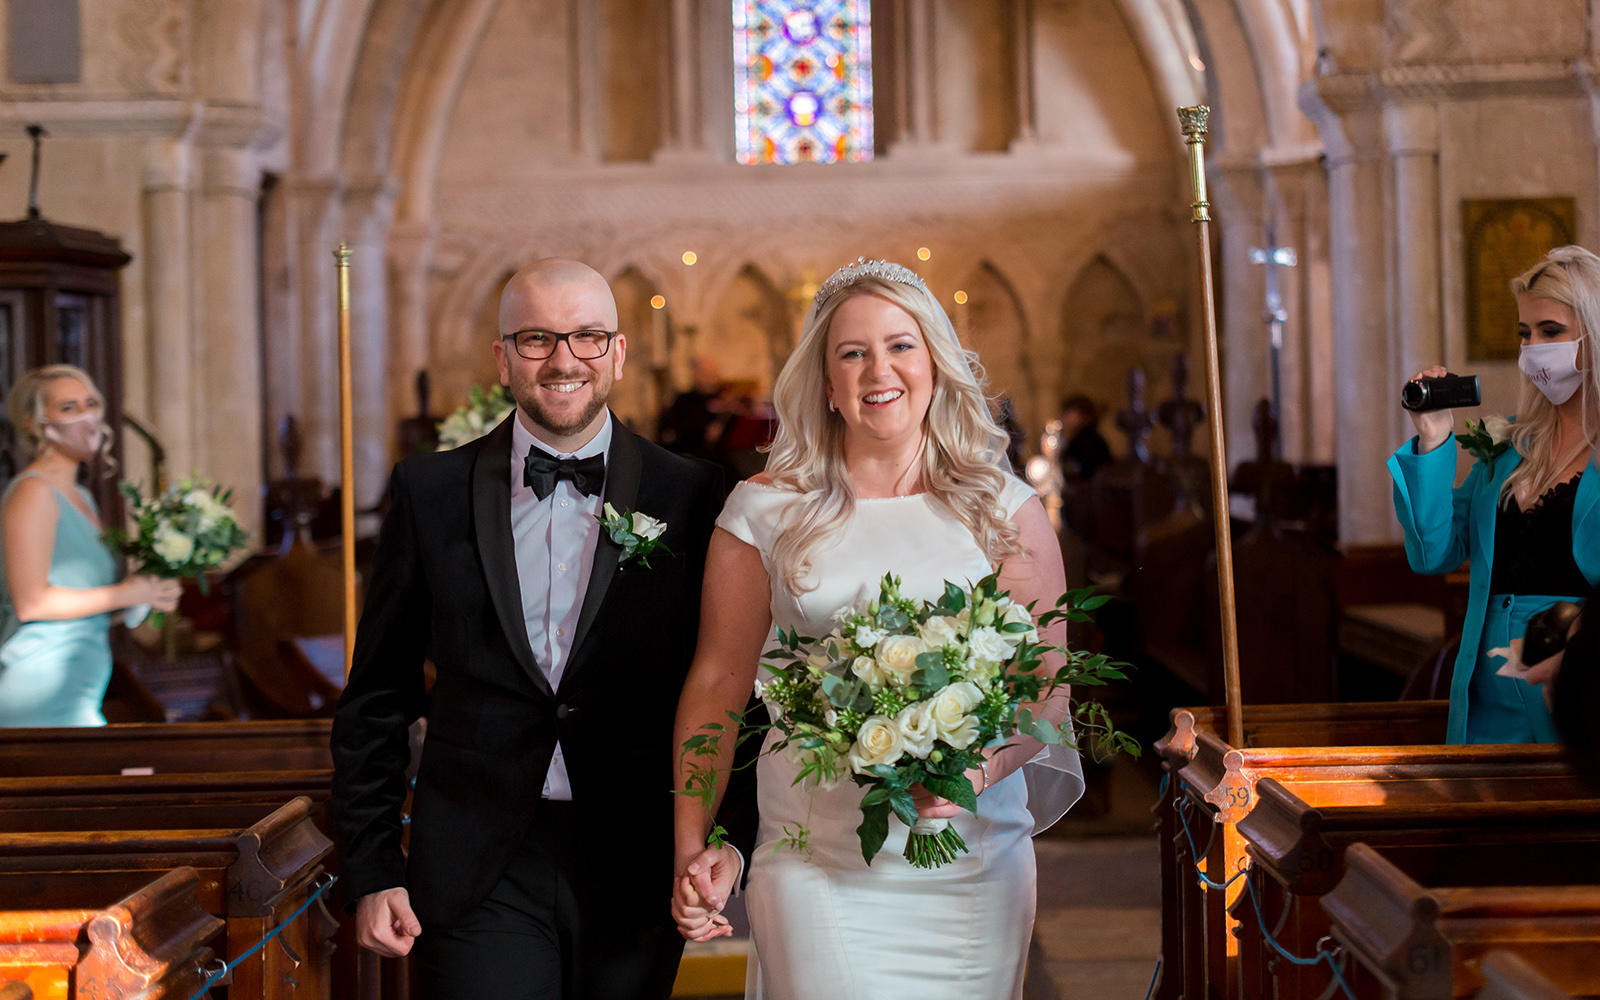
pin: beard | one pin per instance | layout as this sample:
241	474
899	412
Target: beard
525	391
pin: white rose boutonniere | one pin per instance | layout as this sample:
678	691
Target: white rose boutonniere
638	534
1487	439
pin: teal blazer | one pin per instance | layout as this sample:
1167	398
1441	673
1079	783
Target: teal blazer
1445	526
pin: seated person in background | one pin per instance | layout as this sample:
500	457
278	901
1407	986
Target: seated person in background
57	587
1085	450
1516	516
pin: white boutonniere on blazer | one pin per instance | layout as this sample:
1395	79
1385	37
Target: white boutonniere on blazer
638	534
1487	440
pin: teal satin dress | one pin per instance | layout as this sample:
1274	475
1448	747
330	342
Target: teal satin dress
55	673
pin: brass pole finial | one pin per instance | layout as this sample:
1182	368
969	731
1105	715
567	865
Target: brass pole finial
1193	121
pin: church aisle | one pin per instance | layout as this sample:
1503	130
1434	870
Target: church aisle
1098	930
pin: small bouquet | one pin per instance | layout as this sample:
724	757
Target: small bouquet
482	411
1487	440
184	531
904	692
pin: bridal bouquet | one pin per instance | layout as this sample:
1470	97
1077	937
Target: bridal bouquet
904	692
184	531
475	418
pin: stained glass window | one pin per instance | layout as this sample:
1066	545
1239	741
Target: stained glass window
802	80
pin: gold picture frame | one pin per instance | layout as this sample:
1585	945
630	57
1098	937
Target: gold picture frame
1502	237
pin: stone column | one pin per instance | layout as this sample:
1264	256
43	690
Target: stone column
915	66
685	137
166	371
226	347
1345	109
1237	194
1294	189
311	386
584	18
1411	131
410	257
1022	57
369	209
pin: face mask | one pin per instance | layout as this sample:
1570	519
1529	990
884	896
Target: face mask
78	437
1553	369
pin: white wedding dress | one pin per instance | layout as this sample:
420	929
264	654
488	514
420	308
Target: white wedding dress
824	924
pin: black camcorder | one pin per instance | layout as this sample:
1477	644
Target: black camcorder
1444	393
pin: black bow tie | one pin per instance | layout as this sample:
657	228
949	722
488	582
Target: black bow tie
542	470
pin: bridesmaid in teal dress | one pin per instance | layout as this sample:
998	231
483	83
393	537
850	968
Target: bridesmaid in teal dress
1525	519
57	578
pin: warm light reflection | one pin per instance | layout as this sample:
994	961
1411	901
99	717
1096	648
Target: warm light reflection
689	257
658	302
961	297
923	253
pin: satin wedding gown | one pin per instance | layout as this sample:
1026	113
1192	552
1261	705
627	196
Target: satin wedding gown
824	924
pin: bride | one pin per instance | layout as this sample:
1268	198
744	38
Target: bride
886	460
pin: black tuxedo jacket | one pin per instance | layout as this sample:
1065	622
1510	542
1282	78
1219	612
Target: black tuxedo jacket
444	587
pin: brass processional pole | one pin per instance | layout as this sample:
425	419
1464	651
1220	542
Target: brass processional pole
1193	121
347	477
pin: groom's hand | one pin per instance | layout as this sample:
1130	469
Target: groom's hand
713	873
385	923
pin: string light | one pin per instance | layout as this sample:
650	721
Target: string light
923	253
960	297
658	302
689	257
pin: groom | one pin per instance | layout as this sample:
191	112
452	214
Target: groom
540	861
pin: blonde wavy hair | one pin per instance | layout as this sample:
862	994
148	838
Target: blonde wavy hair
26	403
1569	276
963	449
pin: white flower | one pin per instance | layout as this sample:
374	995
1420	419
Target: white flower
877	742
866	636
1018	614
172	545
1498	428
988	645
897	656
866	668
939	631
917	730
949	712
647	527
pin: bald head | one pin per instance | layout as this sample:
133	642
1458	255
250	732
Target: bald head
559	295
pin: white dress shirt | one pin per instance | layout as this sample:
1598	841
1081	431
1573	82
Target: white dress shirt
555	542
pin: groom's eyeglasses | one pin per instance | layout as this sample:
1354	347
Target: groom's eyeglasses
585	345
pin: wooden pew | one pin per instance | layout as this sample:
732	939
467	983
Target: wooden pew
255	878
1508	976
126	802
1434	826
187	747
1217	782
151	944
1410	940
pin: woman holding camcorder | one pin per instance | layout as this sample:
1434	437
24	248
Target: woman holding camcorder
1525	517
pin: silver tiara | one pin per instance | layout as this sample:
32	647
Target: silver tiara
863	268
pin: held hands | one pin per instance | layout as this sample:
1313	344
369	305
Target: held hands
160	593
1432	427
701	890
385	923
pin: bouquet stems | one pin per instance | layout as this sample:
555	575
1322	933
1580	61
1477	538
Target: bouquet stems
932	843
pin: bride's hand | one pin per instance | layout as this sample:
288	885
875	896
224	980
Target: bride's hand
931	806
695	921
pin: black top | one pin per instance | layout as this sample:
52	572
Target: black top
1533	547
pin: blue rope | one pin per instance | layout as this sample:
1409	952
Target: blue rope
230	966
1154	977
1183	820
1322	953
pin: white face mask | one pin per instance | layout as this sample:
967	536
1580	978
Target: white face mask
1552	368
77	437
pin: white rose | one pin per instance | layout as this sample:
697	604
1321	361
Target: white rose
897	656
988	645
949	712
647	527
867	636
1499	428
916	730
1017	614
939	631
866	668
172	545
877	742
